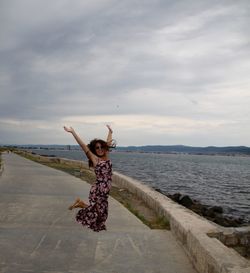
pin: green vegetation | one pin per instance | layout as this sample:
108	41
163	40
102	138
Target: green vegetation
126	198
139	208
2	149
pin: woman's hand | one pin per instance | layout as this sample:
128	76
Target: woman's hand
68	129
110	130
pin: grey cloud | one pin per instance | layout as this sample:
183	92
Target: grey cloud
87	59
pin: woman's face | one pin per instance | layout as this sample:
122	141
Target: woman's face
99	149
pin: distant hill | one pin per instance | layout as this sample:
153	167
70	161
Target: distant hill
173	149
230	150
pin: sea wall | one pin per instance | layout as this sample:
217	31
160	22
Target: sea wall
204	241
201	238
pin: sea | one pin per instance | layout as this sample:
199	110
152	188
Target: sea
210	179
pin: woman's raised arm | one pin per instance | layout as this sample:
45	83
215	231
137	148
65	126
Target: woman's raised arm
109	137
84	147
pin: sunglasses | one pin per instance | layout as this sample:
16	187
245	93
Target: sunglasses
99	147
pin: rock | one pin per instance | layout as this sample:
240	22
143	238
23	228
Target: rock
204	210
224	221
176	197
159	190
186	201
212	213
199	208
227	221
217	209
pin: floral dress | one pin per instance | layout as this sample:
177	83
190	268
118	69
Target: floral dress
95	215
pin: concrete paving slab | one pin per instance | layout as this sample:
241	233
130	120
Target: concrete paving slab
39	234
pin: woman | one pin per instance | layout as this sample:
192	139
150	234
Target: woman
94	214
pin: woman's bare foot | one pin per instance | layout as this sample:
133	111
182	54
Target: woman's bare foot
81	204
75	204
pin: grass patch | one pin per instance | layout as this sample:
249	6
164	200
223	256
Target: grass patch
139	208
2	149
126	198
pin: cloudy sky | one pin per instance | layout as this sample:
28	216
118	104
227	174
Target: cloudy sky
159	71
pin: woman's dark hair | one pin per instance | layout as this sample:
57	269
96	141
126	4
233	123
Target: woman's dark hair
104	145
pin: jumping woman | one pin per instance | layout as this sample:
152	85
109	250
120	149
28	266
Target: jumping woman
95	214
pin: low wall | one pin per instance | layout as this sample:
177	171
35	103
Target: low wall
197	235
208	254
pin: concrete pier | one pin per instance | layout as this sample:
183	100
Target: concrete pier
39	234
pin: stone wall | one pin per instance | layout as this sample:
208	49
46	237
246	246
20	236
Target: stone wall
237	238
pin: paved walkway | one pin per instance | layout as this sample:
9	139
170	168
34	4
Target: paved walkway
38	233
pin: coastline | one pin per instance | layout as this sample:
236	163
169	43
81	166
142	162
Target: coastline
162	149
212	213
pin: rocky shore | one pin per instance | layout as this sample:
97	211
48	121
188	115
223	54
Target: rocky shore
212	213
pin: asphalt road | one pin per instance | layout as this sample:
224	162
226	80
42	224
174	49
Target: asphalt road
39	234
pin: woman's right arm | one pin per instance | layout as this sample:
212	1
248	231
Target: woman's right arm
84	147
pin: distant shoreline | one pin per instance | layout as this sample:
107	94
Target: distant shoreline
182	153
155	149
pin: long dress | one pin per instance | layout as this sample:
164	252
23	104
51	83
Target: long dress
95	215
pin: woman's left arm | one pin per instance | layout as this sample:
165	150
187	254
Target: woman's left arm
109	137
